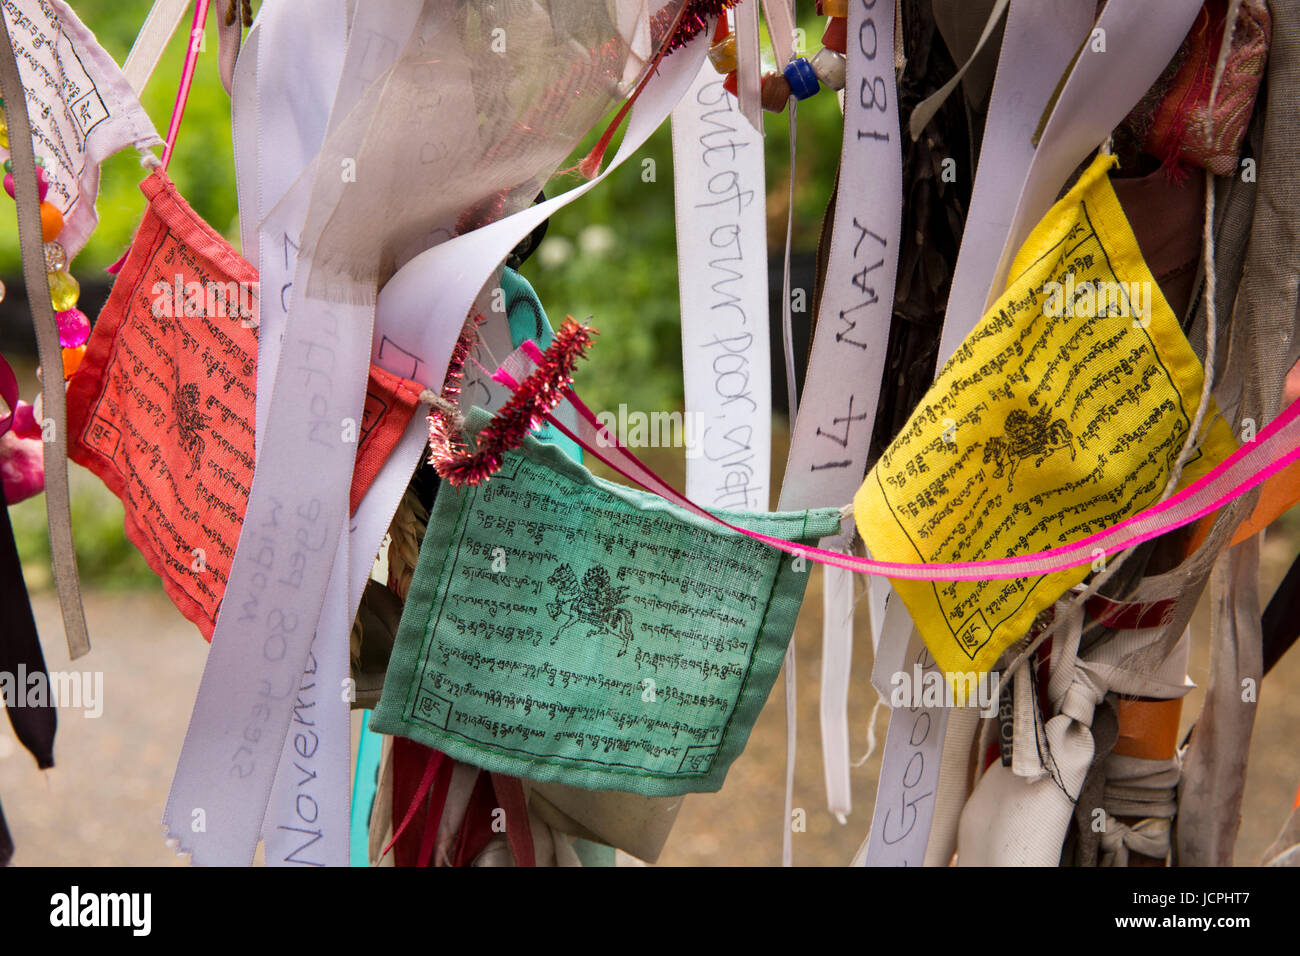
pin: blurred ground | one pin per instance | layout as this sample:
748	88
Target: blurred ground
103	801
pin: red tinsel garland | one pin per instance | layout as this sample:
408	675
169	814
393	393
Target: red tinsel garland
694	21
538	394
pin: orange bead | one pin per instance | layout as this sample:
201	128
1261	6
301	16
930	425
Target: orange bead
51	221
72	360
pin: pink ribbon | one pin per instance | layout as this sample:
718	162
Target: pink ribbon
182	97
1273	449
187	77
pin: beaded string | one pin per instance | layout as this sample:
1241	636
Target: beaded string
801	77
74	327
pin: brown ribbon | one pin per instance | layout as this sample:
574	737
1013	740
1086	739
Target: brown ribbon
57	510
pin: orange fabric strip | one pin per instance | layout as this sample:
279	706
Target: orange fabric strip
1148	728
1277	496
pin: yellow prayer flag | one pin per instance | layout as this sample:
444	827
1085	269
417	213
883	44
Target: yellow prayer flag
1060	415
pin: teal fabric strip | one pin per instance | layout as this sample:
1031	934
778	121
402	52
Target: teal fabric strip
564	628
364	783
527	321
593	854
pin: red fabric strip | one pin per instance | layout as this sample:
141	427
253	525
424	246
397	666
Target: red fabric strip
476	830
1129	617
407	756
433	819
510	797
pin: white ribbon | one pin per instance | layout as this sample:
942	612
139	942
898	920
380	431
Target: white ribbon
780	27
909	770
1133	42
1040	37
924	111
749	67
293	555
749	63
837	664
309	814
718	189
156	32
307	817
832	432
720	199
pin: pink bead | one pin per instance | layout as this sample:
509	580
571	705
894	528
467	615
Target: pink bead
74	328
42	184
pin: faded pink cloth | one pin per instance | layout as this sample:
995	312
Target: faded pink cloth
22	458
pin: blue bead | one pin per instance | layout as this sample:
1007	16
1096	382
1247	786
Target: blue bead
801	77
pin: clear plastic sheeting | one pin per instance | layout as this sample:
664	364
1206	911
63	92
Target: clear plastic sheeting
480	108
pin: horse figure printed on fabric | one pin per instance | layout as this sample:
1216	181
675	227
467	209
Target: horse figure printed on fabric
1037	436
189	423
593	603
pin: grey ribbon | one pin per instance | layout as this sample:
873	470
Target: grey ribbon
54	404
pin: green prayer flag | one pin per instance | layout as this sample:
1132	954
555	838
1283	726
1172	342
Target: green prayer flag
565	628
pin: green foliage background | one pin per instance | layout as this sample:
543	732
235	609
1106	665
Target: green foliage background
202	165
610	255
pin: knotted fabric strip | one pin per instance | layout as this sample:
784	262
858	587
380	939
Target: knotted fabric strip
1020	816
1265	314
1149	837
